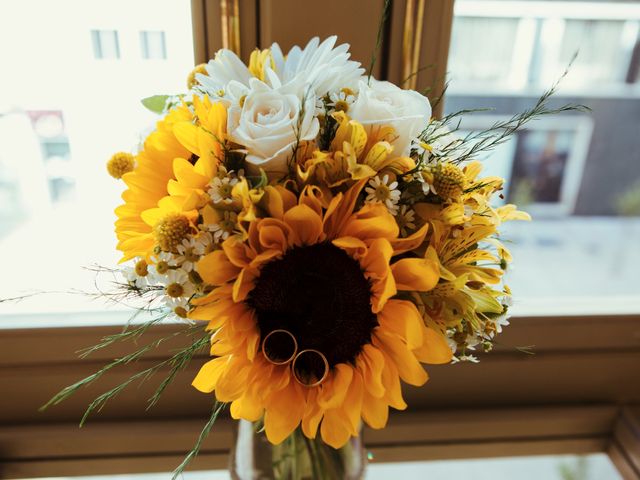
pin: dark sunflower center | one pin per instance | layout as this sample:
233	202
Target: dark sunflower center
320	295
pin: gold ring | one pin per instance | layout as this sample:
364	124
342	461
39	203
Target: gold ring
277	361
311	380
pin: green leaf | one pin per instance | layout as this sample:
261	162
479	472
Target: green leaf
155	103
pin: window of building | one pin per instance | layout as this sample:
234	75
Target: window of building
105	44
153	45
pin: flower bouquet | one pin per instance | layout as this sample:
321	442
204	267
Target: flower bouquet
323	236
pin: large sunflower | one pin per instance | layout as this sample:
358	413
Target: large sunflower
333	277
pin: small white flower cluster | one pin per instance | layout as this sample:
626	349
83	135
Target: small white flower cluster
173	273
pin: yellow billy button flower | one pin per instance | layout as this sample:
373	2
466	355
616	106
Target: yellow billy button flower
120	163
171	230
448	181
192	81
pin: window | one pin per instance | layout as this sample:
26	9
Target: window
105	44
153	45
58	134
514	45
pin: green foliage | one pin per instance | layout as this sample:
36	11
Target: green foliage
155	103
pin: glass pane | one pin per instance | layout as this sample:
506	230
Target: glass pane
153	45
562	467
578	174
63	112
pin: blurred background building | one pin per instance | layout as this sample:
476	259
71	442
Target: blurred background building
73	100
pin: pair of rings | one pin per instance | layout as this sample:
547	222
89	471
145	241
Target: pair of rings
303	363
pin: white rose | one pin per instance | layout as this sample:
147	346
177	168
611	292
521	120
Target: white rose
383	103
269	123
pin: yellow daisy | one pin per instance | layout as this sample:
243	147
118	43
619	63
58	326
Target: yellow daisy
329	276
147	184
179	159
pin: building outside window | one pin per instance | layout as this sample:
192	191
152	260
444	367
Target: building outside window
153	45
105	44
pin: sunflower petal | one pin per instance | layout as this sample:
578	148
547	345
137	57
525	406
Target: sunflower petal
209	374
216	269
416	274
434	349
283	413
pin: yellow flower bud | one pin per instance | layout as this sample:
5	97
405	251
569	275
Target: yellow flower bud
192	81
120	163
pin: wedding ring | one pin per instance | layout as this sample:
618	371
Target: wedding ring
304	364
276	342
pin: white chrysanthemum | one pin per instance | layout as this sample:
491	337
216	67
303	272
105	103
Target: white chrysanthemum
177	285
323	65
189	252
381	191
224	71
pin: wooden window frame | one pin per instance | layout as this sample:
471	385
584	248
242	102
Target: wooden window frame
579	393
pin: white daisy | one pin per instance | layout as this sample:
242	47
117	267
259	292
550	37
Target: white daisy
132	278
177	285
381	191
405	219
465	358
342	99
179	306
163	262
220	189
205	240
224	227
189	252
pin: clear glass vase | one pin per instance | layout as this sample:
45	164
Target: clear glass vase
296	458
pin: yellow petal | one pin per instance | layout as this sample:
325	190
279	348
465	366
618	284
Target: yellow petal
334	429
216	269
371	221
283	413
403	318
419	274
209	374
375	411
371	364
306	225
355	247
435	349
408	366
335	388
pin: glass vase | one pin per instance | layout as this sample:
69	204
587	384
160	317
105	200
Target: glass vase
296	458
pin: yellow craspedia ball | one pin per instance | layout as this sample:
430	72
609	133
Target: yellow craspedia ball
192	81
448	181
120	163
171	230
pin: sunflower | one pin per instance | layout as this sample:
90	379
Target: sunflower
333	277
178	161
